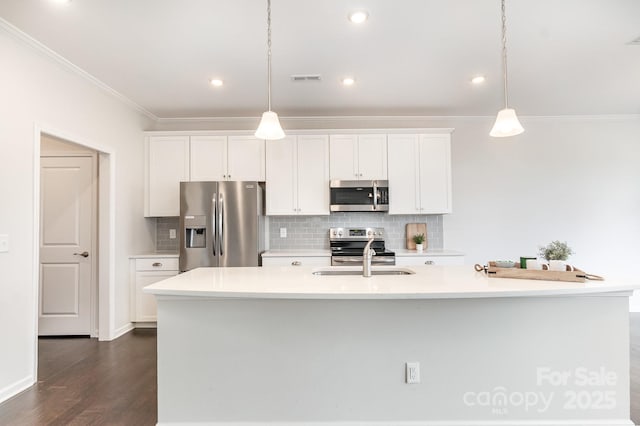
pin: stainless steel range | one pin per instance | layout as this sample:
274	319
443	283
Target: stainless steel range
347	246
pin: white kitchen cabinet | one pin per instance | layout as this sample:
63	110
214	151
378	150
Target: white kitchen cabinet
167	165
297	175
208	158
217	158
419	173
358	157
146	271
416	260
297	261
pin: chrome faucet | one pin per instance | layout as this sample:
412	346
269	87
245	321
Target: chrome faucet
367	255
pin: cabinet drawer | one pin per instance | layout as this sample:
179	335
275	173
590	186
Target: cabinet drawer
297	261
429	260
157	264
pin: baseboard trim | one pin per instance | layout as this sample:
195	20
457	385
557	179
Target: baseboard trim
119	332
145	325
15	388
600	422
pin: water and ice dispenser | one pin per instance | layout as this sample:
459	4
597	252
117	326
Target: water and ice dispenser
195	231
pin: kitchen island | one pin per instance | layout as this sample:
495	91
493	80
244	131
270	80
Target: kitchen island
280	345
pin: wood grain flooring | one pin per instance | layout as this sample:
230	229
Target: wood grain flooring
86	382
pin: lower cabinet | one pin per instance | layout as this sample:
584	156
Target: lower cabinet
297	261
144	272
416	260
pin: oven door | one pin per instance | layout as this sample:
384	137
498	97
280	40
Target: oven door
357	260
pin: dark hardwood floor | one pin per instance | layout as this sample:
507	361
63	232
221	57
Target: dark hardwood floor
86	382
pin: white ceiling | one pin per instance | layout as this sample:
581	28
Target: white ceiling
412	57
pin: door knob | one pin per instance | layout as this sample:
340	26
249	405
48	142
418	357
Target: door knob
83	254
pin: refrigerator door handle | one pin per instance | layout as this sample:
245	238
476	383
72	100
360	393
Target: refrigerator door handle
214	211
221	225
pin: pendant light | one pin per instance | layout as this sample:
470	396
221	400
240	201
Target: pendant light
269	127
507	123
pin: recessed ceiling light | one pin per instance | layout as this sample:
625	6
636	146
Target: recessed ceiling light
358	17
348	81
216	82
478	79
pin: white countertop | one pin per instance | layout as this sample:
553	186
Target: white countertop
429	282
327	252
297	253
154	254
428	252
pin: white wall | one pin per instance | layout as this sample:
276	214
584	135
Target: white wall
38	91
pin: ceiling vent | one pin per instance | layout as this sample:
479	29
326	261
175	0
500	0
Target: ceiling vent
635	41
306	77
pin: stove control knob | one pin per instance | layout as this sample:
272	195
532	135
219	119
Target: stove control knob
339	233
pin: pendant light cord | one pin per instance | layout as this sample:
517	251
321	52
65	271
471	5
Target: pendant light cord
269	51
504	55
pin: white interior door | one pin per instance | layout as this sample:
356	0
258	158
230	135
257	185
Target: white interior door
67	194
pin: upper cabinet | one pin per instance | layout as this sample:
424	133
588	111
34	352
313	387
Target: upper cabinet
215	158
419	173
174	159
358	157
167	166
298	175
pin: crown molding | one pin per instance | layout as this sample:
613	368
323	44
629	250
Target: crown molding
38	47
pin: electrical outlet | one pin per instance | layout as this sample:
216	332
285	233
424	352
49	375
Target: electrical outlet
172	234
413	372
4	243
283	232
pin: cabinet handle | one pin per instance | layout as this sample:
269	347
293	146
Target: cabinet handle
156	264
296	263
429	262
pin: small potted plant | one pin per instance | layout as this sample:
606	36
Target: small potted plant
556	253
419	240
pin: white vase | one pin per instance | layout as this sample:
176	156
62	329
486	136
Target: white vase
557	265
419	247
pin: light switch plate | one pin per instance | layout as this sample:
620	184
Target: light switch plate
172	234
4	243
413	372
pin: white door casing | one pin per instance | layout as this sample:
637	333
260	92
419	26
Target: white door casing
67	217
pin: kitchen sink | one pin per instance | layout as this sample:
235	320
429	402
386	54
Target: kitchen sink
340	271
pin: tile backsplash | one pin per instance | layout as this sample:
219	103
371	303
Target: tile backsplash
312	232
163	242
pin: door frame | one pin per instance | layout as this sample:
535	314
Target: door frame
106	230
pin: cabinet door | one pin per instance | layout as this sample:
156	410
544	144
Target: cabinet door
372	157
343	157
168	166
404	184
435	174
313	175
246	158
281	177
146	303
208	158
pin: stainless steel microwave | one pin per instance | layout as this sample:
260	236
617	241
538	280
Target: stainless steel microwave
359	195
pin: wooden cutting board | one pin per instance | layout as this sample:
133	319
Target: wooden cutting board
415	229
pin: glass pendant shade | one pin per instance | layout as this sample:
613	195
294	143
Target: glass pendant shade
507	124
269	128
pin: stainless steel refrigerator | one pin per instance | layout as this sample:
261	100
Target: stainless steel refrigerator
221	224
